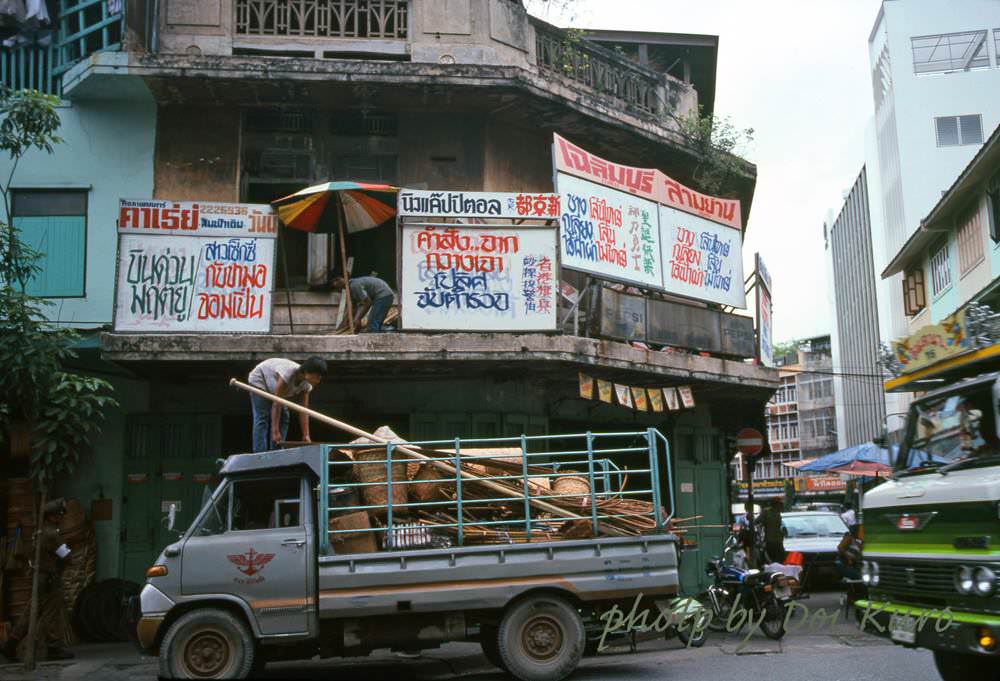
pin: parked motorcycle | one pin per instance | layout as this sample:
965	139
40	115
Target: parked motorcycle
762	595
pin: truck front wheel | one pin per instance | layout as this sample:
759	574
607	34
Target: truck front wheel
541	639
207	644
960	667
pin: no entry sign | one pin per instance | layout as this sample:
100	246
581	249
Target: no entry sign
749	442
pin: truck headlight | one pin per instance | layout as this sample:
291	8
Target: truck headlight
869	572
963	580
984	581
875	578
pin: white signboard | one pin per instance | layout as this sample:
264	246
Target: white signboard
421	203
701	259
609	233
171	284
479	278
765	346
197	218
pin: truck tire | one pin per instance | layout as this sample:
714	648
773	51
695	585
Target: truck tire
489	640
207	644
962	667
541	638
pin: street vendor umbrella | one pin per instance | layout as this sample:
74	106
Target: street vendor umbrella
869	452
869	469
322	208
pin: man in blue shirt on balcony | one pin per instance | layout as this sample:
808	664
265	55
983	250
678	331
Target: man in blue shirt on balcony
368	294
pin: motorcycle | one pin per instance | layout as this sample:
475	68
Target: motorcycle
762	595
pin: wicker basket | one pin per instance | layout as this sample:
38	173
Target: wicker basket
378	495
572	485
426	489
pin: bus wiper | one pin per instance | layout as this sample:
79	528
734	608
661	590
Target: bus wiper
966	463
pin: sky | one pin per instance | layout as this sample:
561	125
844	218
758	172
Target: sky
797	72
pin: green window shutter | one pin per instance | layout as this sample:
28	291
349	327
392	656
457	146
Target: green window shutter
61	241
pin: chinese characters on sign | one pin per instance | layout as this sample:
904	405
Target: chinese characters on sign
478	278
182	270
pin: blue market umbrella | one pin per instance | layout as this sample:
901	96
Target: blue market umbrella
869	452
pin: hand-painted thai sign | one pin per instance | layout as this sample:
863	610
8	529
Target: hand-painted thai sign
467	278
170	284
766	488
421	203
765	345
609	233
933	343
701	259
648	183
200	218
822	483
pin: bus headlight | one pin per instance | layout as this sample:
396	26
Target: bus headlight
984	581
869	573
963	580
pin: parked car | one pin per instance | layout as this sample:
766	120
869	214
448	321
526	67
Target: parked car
815	534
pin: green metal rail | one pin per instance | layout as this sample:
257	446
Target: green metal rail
622	465
29	68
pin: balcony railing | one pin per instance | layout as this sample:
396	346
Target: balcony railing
86	27
381	19
562	54
29	68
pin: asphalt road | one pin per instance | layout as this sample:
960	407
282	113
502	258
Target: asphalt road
836	652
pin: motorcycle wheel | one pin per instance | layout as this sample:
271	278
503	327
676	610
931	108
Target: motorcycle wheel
694	642
719	616
773	625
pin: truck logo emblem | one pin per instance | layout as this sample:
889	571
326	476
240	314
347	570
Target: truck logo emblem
911	522
250	563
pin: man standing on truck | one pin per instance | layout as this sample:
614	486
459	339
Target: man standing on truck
287	379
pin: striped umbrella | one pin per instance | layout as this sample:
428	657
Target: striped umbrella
318	209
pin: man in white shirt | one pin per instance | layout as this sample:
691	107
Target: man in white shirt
287	379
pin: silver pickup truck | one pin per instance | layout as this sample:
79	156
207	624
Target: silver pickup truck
260	575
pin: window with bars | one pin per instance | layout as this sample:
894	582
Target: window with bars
941	270
953	131
914	294
969	236
963	51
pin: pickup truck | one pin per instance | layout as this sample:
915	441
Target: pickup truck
258	576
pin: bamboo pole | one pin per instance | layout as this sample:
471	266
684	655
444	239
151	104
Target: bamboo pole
343	263
414	454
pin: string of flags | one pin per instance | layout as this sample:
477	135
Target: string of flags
638	398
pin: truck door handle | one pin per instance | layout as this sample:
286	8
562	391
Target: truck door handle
293	542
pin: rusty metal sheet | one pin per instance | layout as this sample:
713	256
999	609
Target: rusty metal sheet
684	326
620	316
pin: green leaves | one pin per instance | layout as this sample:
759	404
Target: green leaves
28	119
719	145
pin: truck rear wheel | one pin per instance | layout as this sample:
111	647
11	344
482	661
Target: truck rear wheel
207	644
959	667
541	639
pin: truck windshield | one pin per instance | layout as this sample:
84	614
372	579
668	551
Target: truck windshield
949	429
814	525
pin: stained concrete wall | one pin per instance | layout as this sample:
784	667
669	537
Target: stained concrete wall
197	153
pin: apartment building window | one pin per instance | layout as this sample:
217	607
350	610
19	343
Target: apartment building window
969	236
950	52
993	207
953	131
54	223
941	270
914	294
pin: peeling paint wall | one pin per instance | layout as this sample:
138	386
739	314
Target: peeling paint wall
197	153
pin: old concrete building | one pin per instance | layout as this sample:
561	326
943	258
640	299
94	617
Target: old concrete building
250	100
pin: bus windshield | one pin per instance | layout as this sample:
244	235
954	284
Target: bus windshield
951	428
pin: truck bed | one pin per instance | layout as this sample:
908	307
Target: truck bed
487	577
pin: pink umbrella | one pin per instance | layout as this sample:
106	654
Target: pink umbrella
872	469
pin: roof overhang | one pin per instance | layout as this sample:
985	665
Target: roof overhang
941	219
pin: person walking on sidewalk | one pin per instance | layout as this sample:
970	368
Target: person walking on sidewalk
287	379
50	592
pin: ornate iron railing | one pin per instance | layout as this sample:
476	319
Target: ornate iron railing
564	54
382	19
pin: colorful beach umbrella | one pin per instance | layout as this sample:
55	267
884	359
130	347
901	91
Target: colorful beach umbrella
318	208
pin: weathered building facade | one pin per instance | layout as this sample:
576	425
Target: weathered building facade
250	100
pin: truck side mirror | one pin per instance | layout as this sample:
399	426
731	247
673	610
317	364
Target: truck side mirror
171	517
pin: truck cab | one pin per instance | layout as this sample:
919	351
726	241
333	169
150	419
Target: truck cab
932	533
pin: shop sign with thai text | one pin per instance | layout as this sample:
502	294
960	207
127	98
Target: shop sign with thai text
932	344
701	259
481	205
197	218
467	278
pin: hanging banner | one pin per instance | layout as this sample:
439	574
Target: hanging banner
647	183
624	395
586	386
478	278
687	396
605	391
702	260
655	399
173	284
197	218
673	401
609	233
639	399
765	346
422	203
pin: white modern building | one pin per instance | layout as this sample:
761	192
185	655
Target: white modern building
936	89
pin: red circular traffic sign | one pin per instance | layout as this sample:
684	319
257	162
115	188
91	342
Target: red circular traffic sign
749	441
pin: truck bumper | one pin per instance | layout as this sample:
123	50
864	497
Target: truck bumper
146	630
959	633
